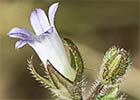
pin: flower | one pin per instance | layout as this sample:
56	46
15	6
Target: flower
46	42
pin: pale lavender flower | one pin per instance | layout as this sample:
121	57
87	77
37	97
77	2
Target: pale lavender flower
46	42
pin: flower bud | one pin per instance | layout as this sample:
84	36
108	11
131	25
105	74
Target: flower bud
115	65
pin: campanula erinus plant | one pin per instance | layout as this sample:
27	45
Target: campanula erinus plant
64	77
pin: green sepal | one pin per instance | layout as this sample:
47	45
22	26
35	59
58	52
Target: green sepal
46	82
76	59
58	79
64	86
73	63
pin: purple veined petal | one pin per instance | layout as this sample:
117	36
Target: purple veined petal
20	33
52	11
39	21
20	44
50	30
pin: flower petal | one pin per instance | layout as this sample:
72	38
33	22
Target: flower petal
50	48
39	21
47	32
52	11
20	44
20	33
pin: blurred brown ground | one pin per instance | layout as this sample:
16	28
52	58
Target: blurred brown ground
94	25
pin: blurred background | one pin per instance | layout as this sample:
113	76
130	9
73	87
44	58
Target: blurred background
94	25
